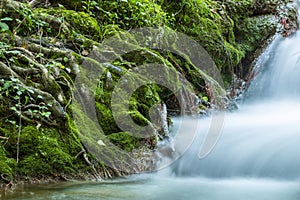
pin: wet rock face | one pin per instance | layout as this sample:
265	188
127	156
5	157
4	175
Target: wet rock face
265	6
269	17
288	19
254	32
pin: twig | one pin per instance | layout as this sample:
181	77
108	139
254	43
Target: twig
81	152
15	31
89	163
19	134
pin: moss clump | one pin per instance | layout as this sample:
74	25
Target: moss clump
144	98
79	22
209	24
106	119
6	164
125	140
43	152
238	9
261	28
252	33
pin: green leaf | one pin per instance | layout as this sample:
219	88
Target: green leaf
13	108
12	122
4	27
31	91
6	19
61	6
15	52
39	55
205	98
26	99
66	59
14	79
46	114
6	85
19	93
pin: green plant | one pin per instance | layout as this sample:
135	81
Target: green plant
22	101
3	26
131	13
89	6
3	49
28	22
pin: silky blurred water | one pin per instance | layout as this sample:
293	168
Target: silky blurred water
154	187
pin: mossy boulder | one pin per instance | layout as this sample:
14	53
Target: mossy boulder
42	152
253	31
239	9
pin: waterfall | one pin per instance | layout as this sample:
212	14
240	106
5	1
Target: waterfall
262	138
279	79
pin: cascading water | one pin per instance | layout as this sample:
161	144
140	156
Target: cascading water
262	138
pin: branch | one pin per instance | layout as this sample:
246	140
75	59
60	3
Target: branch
25	71
7	72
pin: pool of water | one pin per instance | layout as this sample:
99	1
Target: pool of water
155	187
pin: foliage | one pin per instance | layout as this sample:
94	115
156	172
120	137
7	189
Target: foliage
3	26
77	22
129	14
26	22
3	49
89	6
21	99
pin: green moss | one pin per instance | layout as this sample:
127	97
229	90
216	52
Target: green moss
239	9
106	118
254	30
43	152
6	164
125	140
144	98
209	23
138	118
80	22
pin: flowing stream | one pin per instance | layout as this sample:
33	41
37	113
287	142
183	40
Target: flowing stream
256	157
